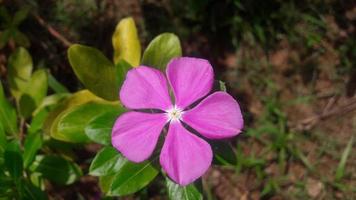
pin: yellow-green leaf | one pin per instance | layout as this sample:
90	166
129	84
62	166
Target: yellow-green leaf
161	50
20	70
95	71
78	98
126	42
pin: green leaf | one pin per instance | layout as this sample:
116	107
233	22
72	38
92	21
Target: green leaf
70	125
132	177
37	121
56	169
106	162
8	115
56	86
99	128
94	70
13	159
161	50
4	37
5	16
78	98
34	93
6	185
105	182
126	42
20	15
21	39
51	101
122	68
33	143
3	140
223	153
32	192
177	192
340	170
20	70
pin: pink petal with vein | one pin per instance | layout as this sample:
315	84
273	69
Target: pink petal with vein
184	157
217	116
190	78
136	134
145	88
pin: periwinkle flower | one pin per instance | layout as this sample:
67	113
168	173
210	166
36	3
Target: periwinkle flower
184	156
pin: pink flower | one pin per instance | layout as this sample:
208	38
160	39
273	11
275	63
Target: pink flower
184	156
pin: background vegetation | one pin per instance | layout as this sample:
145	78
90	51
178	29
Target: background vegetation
290	64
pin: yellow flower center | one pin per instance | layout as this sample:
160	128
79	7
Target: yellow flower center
174	114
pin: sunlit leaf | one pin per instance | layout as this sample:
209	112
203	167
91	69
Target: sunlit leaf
106	162
126	42
70	125
78	98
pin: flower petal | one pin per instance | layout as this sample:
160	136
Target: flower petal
184	157
190	78
145	88
135	134
217	116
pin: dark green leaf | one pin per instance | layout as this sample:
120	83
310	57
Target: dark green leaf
122	67
223	153
13	159
8	115
177	192
33	143
106	162
71	124
99	128
94	70
56	169
5	16
21	39
132	177
20	15
4	37
32	192
161	50
2	139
